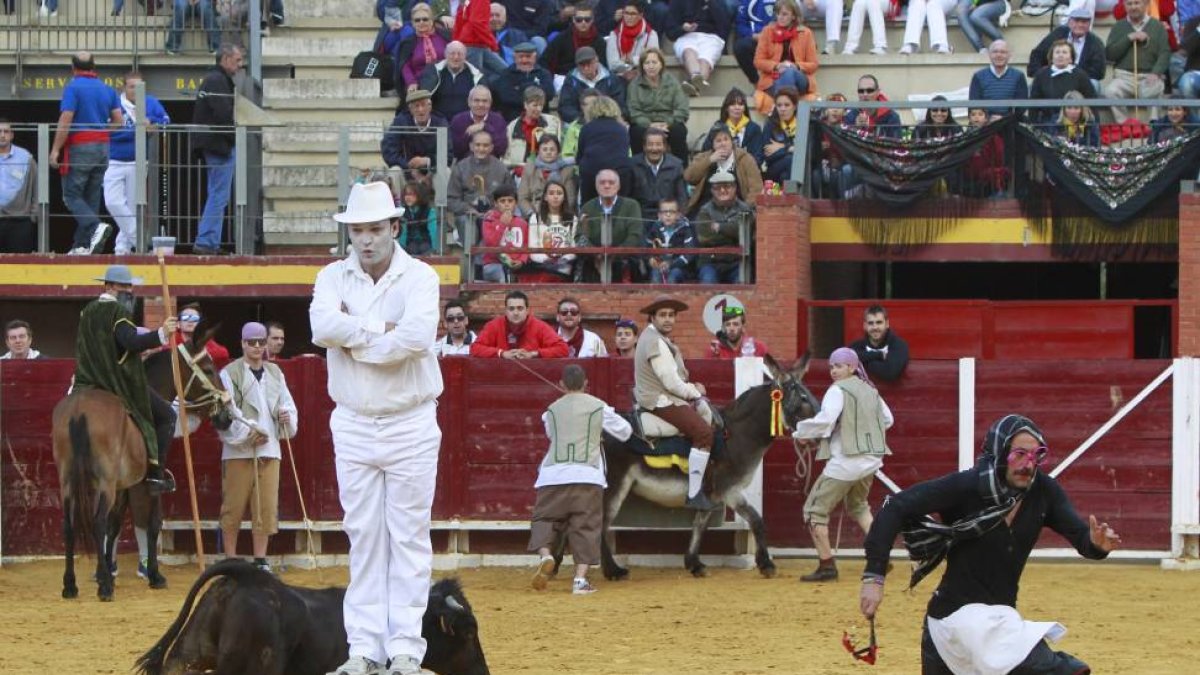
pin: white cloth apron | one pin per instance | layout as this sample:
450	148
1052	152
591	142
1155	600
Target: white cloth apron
983	639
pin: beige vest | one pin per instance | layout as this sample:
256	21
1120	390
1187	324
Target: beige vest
861	426
647	386
272	382
576	425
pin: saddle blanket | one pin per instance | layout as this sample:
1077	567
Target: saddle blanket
666	462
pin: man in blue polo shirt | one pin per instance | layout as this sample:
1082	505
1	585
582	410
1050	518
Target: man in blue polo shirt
88	111
120	180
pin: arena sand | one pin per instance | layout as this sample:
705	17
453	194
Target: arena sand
1122	619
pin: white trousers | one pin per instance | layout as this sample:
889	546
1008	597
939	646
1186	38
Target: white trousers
386	471
832	10
119	193
874	11
932	12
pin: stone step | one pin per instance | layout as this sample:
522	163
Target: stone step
322	156
330	9
328	48
314	90
317	193
287	138
300	175
296	26
101	41
311	222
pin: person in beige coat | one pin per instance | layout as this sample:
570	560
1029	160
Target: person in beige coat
723	157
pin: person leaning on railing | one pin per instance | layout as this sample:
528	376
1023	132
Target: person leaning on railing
1176	122
621	218
725	157
719	224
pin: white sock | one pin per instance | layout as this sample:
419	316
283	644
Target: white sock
143	544
697	462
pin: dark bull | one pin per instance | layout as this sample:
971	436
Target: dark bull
251	622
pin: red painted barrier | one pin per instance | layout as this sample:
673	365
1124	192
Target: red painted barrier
490	416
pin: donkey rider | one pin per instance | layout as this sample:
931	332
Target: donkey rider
661	387
107	353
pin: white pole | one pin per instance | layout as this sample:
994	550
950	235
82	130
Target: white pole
748	372
1112	422
1185	454
966	413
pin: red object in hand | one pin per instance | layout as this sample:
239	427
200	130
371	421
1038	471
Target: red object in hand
866	654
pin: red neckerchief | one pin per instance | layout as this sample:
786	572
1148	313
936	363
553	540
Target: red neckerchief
780	34
575	344
583	39
515	332
528	128
628	36
874	115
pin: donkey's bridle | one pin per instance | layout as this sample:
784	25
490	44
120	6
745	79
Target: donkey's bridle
213	397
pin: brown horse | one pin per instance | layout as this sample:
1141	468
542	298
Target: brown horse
101	458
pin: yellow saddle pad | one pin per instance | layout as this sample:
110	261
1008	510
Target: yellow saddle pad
666	462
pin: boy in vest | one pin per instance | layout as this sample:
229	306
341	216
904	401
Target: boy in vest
570	484
852	427
263	413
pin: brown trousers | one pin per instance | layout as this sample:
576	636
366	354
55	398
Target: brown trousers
575	510
690	424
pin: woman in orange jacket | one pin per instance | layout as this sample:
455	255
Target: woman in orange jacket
787	54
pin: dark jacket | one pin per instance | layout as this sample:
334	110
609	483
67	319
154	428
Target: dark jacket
493	124
1190	44
715	21
728	221
214	107
603	144
1091	61
886	369
574	86
683	236
508	38
1054	88
449	91
531	16
1088	135
398	145
986	569
649	188
508	89
559	57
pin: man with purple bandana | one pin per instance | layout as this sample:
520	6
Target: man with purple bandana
852	427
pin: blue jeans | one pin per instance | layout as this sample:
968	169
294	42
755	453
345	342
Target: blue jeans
712	274
208	21
983	17
486	60
791	77
83	188
220	182
1189	84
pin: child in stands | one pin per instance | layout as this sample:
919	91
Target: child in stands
570	483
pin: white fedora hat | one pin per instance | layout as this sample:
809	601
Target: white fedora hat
369	203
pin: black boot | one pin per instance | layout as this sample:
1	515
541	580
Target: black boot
158	480
826	571
701	502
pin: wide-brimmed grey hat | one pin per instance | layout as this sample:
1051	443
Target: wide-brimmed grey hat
119	274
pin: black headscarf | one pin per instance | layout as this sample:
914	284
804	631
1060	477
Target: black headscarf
929	541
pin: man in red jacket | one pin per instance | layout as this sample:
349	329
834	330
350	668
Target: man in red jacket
732	341
472	27
516	335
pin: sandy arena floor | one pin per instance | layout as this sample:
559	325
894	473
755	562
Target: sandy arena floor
1122	619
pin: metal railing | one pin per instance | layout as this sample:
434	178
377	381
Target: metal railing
129	26
814	176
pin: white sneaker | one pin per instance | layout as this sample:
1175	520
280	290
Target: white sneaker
99	236
879	51
908	48
830	47
943	49
851	47
404	665
582	587
80	250
545	570
359	665
44	11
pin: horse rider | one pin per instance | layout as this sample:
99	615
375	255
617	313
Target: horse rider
661	387
107	339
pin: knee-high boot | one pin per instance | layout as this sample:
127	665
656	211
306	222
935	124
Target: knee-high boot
697	463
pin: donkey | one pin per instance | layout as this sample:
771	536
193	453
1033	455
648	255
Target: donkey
748	430
101	459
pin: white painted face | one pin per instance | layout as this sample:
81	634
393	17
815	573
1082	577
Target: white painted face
373	242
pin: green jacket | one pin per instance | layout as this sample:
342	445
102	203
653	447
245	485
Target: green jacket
664	103
727	232
100	363
1152	57
626	223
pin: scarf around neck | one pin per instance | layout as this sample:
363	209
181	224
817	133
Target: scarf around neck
552	170
584	39
627	36
929	541
575	344
783	35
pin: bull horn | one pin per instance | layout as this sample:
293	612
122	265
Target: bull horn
454	604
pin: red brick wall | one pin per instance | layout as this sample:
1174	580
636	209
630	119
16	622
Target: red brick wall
1189	281
784	274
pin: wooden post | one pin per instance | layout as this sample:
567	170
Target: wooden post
183	420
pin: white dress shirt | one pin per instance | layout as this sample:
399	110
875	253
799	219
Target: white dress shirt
373	371
235	440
